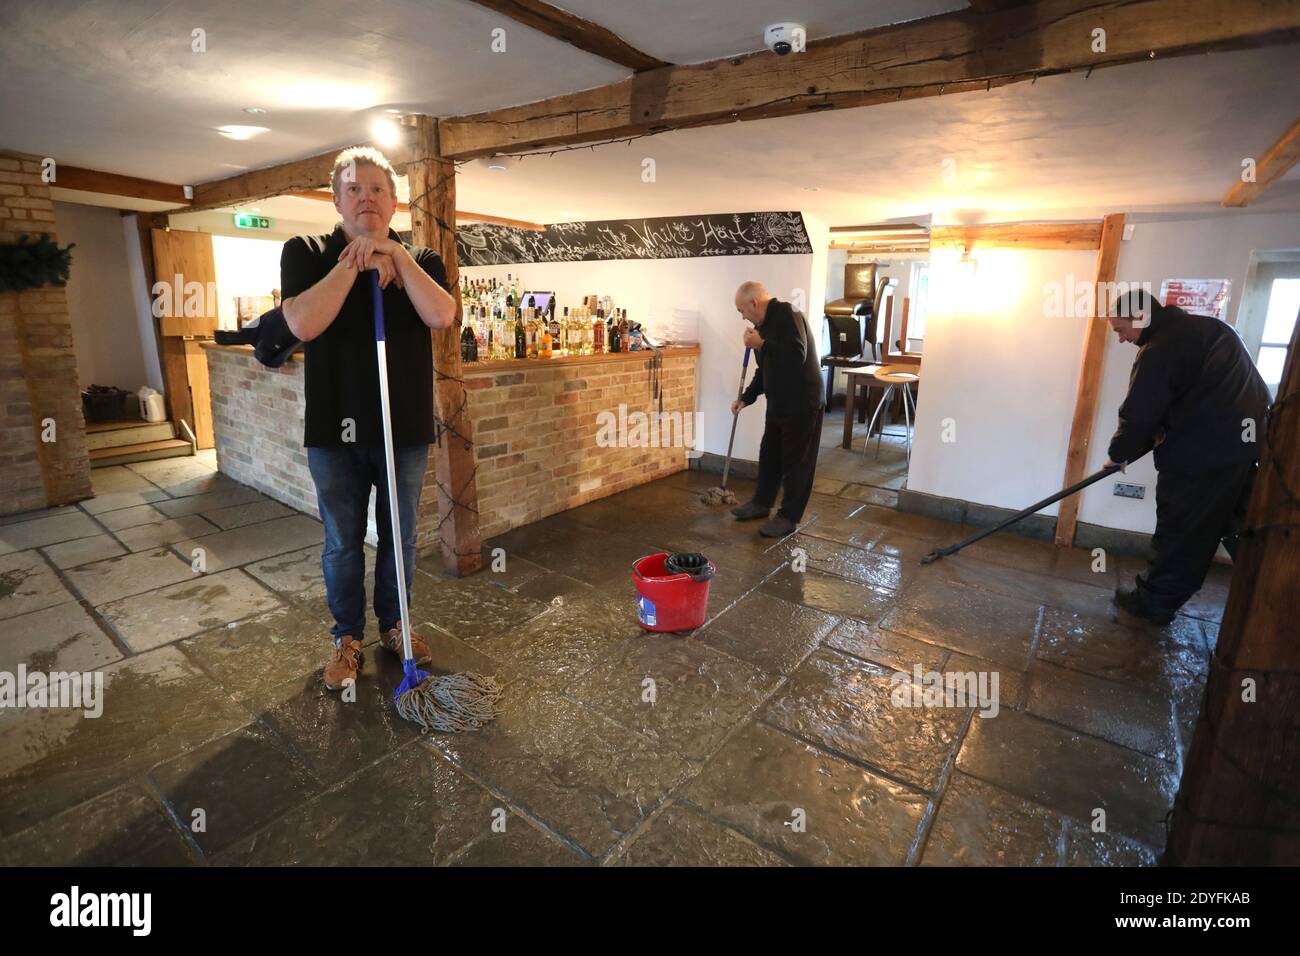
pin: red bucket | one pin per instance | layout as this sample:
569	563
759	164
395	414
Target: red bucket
670	602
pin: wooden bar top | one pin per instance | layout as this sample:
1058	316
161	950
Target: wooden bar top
498	366
241	349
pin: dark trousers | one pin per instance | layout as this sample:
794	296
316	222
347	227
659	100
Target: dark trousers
787	460
343	478
1194	513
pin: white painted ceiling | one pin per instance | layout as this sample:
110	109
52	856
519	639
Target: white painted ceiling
113	85
1162	135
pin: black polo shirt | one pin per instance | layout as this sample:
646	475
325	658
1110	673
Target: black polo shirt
341	370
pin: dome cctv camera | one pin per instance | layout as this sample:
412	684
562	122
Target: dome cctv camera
783	38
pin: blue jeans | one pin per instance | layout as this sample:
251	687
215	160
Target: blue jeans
343	478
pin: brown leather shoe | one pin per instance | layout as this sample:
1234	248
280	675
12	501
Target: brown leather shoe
392	641
344	663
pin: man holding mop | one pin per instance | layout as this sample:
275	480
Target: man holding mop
789	375
327	304
1196	397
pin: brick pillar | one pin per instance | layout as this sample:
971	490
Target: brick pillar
38	368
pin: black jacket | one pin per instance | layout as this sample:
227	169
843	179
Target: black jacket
1193	385
269	335
789	371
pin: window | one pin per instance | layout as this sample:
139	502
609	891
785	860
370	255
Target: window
1279	323
920	296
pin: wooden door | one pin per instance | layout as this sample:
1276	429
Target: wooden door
184	264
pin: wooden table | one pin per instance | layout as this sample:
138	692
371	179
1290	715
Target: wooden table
853	378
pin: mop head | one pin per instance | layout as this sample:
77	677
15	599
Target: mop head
452	703
718	496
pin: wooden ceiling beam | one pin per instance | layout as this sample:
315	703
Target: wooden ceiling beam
964	51
1043	235
298	175
113	184
1272	166
575	31
462	215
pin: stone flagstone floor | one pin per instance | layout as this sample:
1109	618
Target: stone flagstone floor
771	738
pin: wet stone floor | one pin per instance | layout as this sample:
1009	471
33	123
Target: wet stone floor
776	734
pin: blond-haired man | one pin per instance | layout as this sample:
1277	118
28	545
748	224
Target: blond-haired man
327	303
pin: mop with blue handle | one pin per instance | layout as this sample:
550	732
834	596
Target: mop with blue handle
454	701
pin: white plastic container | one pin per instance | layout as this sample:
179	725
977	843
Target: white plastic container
152	407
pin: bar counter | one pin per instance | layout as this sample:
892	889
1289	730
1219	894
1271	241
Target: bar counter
550	434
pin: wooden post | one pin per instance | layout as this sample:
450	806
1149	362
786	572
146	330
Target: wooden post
432	181
1239	799
1094	353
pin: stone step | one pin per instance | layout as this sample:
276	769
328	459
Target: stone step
118	434
141	451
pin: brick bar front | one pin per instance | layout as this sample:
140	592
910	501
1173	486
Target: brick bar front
550	434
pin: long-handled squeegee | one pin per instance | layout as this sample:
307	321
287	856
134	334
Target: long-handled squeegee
1036	506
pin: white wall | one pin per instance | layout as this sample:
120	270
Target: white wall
1004	372
650	289
106	337
1206	247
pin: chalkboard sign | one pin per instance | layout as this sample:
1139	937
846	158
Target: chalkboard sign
673	237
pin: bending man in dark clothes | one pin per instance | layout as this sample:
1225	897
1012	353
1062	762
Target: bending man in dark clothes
1196	397
789	374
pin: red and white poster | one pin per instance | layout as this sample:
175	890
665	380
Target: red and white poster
1197	296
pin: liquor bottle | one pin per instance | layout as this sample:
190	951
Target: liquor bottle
566	333
545	343
509	291
521	340
530	331
553	326
623	329
596	333
611	334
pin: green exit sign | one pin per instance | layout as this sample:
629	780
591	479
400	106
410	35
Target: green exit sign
244	220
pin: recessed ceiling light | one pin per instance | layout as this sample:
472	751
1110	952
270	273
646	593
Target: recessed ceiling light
257	209
385	132
242	132
254	109
496	165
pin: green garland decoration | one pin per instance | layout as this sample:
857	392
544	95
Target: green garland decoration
30	265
